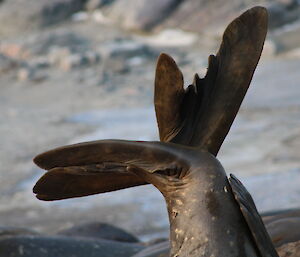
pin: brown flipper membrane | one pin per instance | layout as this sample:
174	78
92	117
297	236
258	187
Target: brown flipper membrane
207	115
69	182
100	166
168	96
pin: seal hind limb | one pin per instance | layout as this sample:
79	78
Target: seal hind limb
253	218
202	114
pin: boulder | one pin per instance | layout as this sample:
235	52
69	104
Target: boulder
20	15
281	13
13	231
56	246
197	15
99	230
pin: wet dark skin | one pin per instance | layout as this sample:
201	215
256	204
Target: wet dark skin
209	214
202	210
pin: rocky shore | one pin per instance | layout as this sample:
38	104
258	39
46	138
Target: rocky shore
76	70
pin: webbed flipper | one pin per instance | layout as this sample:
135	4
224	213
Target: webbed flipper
253	219
101	166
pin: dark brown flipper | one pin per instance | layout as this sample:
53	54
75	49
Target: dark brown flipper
100	166
190	121
68	182
168	96
253	219
208	107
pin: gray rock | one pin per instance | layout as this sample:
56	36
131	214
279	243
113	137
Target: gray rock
142	14
40	62
6	64
72	61
283	13
92	5
287	39
203	15
197	15
20	15
112	66
67	61
13	231
44	44
31	74
99	230
118	55
58	246
126	49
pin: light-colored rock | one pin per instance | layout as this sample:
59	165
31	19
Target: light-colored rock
270	48
289	250
14	50
80	16
170	38
57	54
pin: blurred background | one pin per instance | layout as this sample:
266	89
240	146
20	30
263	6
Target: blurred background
79	70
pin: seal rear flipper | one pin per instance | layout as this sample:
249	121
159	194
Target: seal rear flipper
101	166
168	96
253	219
228	81
68	182
202	114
